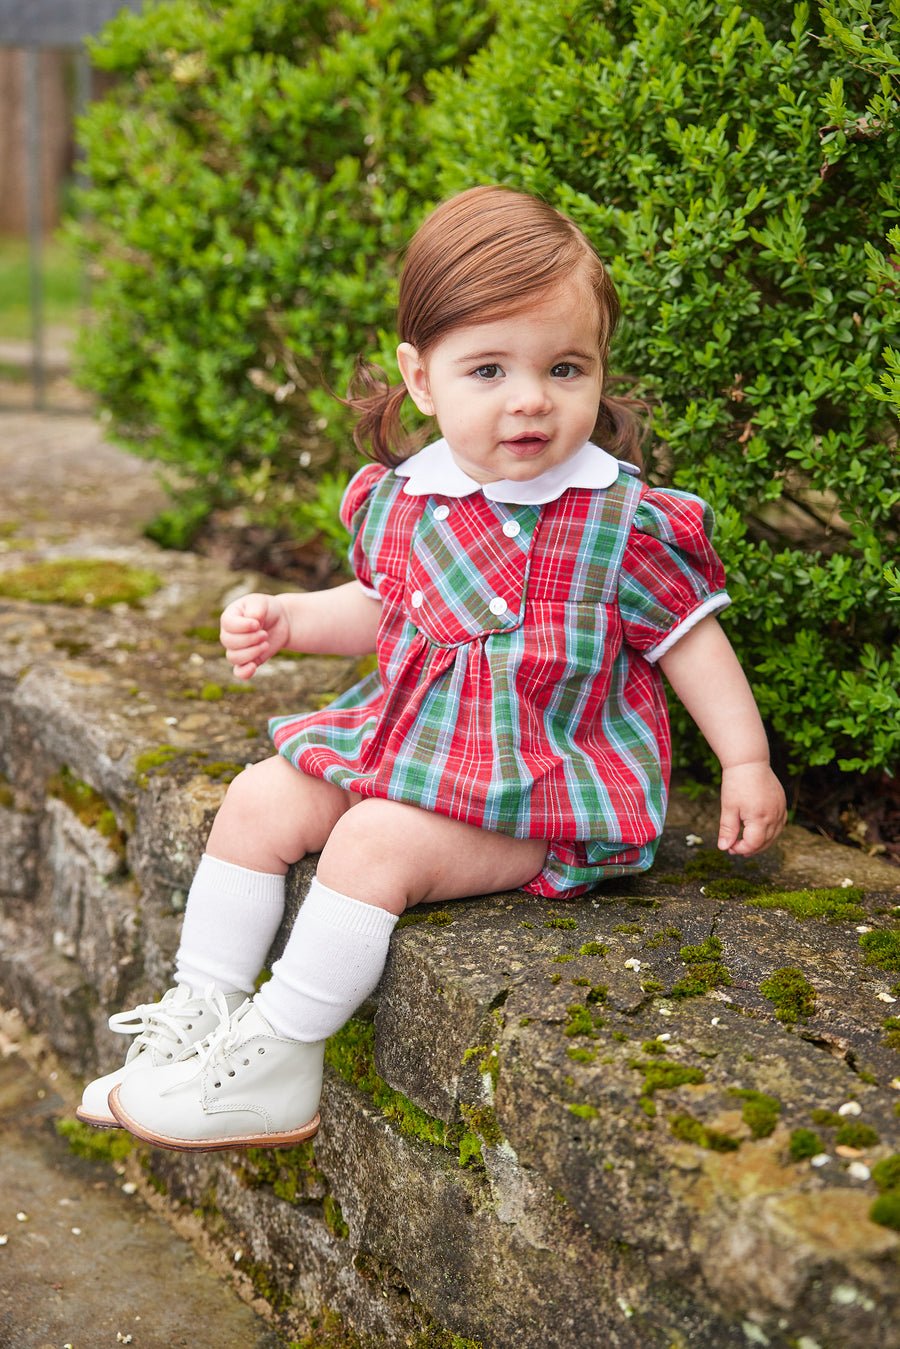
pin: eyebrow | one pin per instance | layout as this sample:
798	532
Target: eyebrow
487	357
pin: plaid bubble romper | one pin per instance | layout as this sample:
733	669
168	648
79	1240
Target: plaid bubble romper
517	686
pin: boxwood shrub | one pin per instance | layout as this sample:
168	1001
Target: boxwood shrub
260	163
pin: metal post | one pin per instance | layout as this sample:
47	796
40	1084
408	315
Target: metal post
35	220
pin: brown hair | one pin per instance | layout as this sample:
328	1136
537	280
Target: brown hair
479	257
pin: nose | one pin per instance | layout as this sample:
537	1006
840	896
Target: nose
529	395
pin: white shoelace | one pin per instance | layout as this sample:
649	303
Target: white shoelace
167	1025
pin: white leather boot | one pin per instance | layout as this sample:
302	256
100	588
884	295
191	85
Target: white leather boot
246	1087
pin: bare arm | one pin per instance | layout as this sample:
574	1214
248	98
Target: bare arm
706	675
339	622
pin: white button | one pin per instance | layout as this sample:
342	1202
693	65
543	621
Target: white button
441	512
417	599
498	605
511	528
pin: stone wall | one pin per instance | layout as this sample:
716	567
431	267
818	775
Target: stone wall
582	1124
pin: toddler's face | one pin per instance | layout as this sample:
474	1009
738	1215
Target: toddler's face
515	396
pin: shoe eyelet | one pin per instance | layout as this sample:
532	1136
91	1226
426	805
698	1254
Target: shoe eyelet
217	1084
246	1063
231	1072
168	1056
260	1051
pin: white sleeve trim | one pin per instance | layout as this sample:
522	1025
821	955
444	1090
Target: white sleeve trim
714	605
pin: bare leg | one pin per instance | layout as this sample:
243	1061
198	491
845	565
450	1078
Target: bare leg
395	856
273	815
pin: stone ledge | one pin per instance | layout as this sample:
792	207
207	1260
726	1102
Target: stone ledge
585	1219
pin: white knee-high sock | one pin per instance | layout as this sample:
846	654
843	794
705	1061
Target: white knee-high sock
332	962
230	922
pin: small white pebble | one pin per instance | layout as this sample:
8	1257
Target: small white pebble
123	1339
666	1035
76	1231
4	1239
129	1187
715	1021
664	1011
864	927
693	840
885	997
850	1108
846	883
820	1159
859	1171
22	1217
171	721
632	964
895	1083
238	1257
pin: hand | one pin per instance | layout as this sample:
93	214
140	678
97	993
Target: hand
253	628
752	797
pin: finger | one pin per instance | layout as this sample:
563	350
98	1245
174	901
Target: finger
729	828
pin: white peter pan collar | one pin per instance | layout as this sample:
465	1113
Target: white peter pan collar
434	472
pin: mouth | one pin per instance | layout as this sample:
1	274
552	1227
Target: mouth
529	442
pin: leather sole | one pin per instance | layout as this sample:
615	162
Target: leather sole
287	1139
98	1122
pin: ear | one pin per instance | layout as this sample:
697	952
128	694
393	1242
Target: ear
412	368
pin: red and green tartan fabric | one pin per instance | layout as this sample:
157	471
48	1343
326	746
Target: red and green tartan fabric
516	687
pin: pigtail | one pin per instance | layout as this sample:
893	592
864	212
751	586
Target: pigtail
379	433
622	427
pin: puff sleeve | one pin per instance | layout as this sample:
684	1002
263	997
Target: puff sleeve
354	508
671	577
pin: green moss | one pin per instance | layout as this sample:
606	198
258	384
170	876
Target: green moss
892	1026
667	1076
434	917
630	929
582	1055
350	1053
703	866
582	1021
690	1130
882	948
653	986
584	1111
793	995
89	806
221	770
98	1145
835	904
804	1144
886	1210
212	693
710	949
563	924
886	1173
648	1105
653	1047
483	1122
80	581
152	760
760	1113
706	970
593	948
671	934
828	1119
204	632
853	1134
334	1218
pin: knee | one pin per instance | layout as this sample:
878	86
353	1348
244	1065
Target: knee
257	788
367	855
